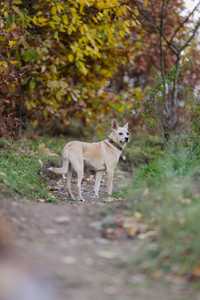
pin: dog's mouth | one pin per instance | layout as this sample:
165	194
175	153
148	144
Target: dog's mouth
124	141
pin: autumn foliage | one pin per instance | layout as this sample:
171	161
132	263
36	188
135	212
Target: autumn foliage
58	59
56	55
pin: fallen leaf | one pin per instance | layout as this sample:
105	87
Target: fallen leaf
196	271
62	220
138	215
148	234
157	274
109	199
132	231
106	254
41	200
69	260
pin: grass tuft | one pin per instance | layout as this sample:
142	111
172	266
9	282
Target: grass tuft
20	165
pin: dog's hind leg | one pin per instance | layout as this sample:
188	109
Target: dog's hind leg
80	178
78	168
98	178
68	183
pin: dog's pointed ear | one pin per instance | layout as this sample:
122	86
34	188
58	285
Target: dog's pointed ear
114	124
126	125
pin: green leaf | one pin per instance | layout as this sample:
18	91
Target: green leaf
30	55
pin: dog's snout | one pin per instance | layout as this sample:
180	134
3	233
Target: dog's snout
126	139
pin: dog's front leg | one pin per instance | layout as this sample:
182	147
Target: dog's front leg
98	178
110	183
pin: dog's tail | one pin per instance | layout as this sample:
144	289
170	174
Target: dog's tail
64	169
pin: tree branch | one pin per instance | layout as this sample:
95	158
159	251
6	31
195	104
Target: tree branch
151	24
194	31
184	22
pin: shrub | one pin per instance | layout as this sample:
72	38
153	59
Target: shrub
166	192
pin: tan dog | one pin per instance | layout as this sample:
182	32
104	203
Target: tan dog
102	156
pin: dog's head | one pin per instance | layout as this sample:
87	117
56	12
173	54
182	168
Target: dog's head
120	134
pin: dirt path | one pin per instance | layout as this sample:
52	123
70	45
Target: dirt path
64	242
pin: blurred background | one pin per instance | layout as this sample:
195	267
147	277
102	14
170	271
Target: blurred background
66	69
65	64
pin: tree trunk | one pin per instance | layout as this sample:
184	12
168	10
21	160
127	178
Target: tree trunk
170	120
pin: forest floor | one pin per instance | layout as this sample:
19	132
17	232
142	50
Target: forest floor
65	244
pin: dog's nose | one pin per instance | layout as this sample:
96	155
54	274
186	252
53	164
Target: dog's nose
126	139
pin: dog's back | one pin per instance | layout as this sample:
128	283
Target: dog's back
87	151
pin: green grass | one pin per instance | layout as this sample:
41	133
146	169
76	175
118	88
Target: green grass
20	165
143	149
167	193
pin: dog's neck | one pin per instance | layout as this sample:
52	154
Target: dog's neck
115	144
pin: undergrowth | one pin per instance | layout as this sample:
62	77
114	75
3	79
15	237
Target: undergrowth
20	165
166	191
142	149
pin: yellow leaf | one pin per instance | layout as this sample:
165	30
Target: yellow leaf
53	10
40	21
34	123
12	43
65	20
13	62
138	215
60	7
138	93
82	68
132	231
70	57
3	64
17	1
196	271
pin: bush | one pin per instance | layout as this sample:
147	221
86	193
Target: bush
55	57
142	149
166	192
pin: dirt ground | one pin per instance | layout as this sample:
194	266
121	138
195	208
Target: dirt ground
63	243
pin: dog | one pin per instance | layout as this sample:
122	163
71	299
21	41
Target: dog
102	156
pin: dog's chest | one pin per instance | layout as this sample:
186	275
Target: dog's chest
98	156
93	155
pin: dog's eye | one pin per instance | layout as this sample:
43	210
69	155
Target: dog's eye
120	133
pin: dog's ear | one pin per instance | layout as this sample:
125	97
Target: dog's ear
126	126
114	124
